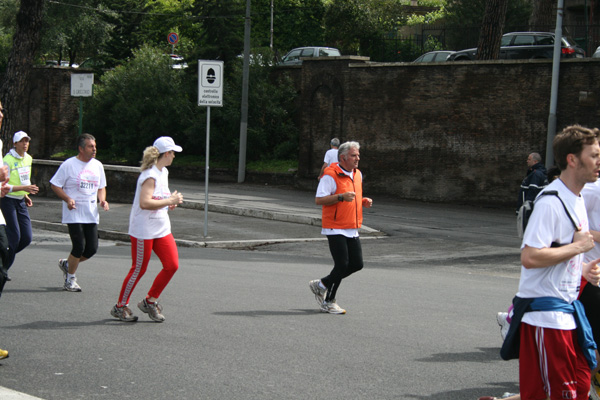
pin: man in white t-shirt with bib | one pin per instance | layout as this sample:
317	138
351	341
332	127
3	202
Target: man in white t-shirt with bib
554	361
81	184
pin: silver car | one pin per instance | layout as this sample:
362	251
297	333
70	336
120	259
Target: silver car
294	56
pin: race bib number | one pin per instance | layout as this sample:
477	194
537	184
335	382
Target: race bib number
24	174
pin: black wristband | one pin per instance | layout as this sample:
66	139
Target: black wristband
340	197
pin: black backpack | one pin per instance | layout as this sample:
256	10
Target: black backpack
527	208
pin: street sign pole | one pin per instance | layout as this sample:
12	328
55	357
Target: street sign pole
206	171
210	94
80	116
81	86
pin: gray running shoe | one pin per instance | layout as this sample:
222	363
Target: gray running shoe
71	285
153	310
331	307
64	267
318	292
123	313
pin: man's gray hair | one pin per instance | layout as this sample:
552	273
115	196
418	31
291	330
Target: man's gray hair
345	148
82	139
335	142
536	157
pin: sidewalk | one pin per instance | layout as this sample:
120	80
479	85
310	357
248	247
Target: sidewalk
277	215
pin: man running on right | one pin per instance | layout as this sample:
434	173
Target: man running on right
549	323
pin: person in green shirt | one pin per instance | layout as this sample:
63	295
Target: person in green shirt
14	205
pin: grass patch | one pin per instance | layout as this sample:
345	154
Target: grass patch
277	166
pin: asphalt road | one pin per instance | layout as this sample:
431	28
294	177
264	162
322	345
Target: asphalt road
242	324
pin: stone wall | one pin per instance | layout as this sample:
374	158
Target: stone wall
451	132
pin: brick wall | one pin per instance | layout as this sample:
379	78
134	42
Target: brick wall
451	132
51	116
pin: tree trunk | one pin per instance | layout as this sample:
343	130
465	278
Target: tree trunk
542	16
25	44
492	26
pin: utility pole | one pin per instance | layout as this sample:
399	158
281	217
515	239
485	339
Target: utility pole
271	44
554	88
245	79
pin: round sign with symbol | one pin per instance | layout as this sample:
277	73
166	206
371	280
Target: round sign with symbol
173	38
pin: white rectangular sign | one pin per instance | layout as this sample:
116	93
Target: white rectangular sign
81	85
210	83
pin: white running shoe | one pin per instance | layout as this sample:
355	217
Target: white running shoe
504	324
318	291
331	307
71	285
64	267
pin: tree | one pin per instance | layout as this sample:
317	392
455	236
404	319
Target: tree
492	27
466	17
542	15
75	30
25	44
139	101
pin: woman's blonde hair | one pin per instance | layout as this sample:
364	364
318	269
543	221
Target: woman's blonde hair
151	155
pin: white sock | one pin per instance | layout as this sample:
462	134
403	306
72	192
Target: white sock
69	276
321	285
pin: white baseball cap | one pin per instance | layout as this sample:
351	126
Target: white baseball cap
19	136
166	143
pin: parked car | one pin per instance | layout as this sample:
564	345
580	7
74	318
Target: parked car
596	53
178	62
526	45
434	56
293	57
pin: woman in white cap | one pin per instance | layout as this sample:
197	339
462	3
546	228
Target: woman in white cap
14	204
150	229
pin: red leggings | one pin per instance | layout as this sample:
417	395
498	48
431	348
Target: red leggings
141	250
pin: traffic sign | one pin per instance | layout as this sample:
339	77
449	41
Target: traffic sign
173	38
210	83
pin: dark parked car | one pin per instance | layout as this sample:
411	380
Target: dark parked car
526	45
434	56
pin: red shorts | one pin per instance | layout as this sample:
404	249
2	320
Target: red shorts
552	365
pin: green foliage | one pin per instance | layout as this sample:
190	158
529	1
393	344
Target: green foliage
271	132
8	13
74	31
145	98
138	102
296	23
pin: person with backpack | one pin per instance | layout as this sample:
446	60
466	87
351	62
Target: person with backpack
549	332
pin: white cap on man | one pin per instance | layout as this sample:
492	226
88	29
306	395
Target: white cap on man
19	136
166	143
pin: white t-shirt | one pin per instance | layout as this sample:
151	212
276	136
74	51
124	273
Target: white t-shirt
80	180
327	187
331	156
550	223
151	224
591	196
2	221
